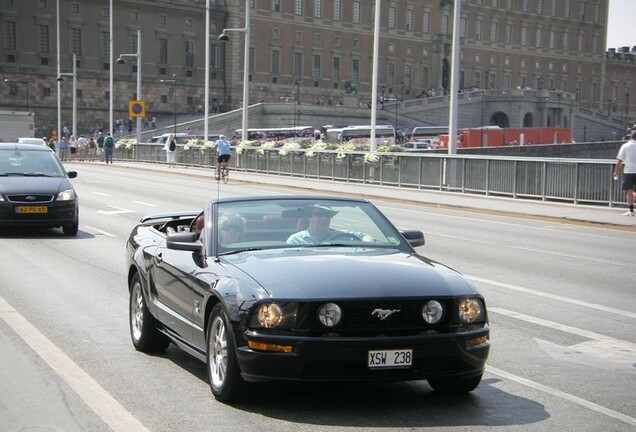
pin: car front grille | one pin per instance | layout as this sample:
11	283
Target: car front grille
365	318
30	198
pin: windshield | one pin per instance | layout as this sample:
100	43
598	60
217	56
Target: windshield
14	162
268	224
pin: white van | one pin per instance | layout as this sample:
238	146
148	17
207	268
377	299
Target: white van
181	137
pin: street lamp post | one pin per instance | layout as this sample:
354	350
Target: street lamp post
136	55
246	63
174	91
59	81
26	85
296	99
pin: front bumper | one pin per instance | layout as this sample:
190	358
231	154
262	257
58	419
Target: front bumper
57	214
345	359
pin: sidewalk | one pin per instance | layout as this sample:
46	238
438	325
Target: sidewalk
501	205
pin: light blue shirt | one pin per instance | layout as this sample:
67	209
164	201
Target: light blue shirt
223	147
305	238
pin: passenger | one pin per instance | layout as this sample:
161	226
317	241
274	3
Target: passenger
231	229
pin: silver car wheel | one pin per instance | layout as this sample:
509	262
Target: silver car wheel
137	312
217	351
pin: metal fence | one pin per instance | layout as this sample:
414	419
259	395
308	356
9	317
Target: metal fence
578	181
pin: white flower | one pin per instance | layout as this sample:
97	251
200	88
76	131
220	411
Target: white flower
371	158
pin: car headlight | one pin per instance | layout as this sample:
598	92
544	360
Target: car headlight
329	314
271	315
471	310
432	311
66	195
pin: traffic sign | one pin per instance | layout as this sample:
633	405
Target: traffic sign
136	108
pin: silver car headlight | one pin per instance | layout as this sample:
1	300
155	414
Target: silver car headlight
66	195
269	315
432	311
471	310
329	314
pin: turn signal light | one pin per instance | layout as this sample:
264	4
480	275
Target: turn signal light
260	346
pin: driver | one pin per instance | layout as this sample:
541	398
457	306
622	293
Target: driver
319	230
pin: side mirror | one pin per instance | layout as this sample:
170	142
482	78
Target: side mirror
415	238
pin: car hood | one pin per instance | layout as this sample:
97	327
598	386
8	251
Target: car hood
346	273
33	185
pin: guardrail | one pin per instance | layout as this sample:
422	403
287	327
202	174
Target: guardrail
578	181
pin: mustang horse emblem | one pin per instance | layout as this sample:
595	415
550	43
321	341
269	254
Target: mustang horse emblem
384	313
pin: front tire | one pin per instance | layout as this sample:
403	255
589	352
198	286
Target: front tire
143	326
455	385
223	370
71	229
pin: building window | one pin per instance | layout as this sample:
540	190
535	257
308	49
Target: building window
276	5
43	4
493	32
568	8
299	37
509	33
317	8
134	16
162	51
462	28
390	74
583	10
188	22
356	45
336	41
316	66
446	24
555	7
275	33
337	10
539	41
298	7
597	13
507	61
477	80
189	53
477	57
298	64
552	39
43	36
566	41
76	41
335	72
581	45
426	24
275	63
9	35
407	75
317	39
524	63
355	70
540	7
478	29
163	19
392	17
493	60
525	7
356	12
595	44
524	35
392	47
409	20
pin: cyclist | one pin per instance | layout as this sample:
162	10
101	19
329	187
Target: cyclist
223	151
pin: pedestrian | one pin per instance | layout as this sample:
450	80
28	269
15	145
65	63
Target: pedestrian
627	157
92	149
100	146
109	144
72	145
171	151
62	147
81	148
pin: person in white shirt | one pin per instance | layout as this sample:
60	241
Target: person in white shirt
627	157
81	147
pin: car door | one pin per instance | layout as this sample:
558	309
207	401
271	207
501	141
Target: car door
172	272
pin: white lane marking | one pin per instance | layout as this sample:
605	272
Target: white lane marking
145	204
604	352
117	211
102	194
566	396
554	297
98	399
541	251
94	230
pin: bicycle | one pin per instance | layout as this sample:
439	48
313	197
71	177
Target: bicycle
224	172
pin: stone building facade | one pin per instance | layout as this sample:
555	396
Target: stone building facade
310	51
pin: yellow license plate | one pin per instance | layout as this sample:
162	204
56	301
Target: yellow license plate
33	209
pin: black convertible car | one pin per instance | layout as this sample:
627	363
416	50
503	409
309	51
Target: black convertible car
302	288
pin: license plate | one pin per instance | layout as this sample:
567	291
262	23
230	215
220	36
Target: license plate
32	209
390	359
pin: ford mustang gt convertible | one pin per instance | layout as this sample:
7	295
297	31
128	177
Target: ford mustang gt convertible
308	288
